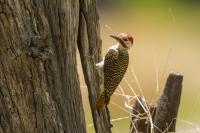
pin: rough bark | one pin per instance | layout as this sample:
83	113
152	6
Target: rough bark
89	44
39	85
165	114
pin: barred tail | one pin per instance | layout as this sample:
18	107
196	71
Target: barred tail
102	100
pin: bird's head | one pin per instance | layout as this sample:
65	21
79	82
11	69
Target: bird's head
125	40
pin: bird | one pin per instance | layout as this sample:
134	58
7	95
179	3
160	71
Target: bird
113	67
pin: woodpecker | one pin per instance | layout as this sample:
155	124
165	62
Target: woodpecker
113	67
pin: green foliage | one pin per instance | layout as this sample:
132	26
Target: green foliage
154	3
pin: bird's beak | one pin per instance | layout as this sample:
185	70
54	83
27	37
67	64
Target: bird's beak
115	37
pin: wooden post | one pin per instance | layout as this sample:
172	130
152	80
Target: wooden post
140	122
165	114
167	110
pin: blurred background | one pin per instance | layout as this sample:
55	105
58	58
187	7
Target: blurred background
166	38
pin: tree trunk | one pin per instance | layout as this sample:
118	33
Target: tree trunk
89	44
39	83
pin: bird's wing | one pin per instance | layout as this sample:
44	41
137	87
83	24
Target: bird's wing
110	59
111	71
111	56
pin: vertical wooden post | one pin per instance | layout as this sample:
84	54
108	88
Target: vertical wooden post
167	110
140	122
165	114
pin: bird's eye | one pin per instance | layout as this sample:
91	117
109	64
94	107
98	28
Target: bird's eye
125	39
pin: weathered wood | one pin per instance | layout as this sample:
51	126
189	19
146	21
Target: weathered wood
165	114
89	44
140	121
167	110
39	84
